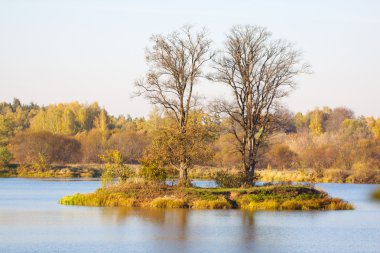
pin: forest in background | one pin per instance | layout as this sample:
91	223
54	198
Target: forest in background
327	143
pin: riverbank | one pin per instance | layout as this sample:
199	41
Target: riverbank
56	171
154	195
199	172
331	175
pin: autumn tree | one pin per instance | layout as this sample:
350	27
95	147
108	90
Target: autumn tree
114	167
316	122
336	117
7	129
130	144
175	64
374	126
260	71
355	129
301	122
31	147
167	146
101	124
91	146
281	157
225	153
5	156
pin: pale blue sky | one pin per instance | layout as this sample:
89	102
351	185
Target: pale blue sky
86	50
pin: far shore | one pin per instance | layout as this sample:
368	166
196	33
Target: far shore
94	171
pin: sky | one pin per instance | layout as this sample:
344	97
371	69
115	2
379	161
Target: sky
90	50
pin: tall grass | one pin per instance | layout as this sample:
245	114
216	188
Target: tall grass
98	199
168	202
220	203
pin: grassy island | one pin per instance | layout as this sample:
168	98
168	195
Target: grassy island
154	195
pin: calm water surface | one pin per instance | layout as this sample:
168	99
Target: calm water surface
32	221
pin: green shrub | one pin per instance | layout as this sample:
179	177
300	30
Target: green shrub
5	156
42	163
228	180
153	171
114	167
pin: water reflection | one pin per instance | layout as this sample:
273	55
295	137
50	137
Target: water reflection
248	223
175	224
32	221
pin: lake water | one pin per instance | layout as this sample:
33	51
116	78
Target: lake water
32	221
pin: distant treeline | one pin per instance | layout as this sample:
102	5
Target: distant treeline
324	140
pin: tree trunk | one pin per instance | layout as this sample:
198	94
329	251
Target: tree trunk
183	175
249	168
251	174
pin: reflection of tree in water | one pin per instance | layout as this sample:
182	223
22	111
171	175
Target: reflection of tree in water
248	231
172	223
248	227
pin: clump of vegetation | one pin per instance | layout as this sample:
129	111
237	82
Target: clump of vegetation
98	199
5	156
225	179
291	198
264	205
220	203
141	193
168	202
293	204
152	170
114	168
376	194
41	163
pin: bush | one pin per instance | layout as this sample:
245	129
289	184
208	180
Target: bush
153	171
41	163
114	167
228	180
5	156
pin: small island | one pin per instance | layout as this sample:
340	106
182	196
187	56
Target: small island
142	193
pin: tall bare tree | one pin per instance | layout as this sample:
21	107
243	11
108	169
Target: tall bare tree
175	65
260	71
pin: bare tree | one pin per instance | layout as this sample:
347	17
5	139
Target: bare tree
260	71
175	65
